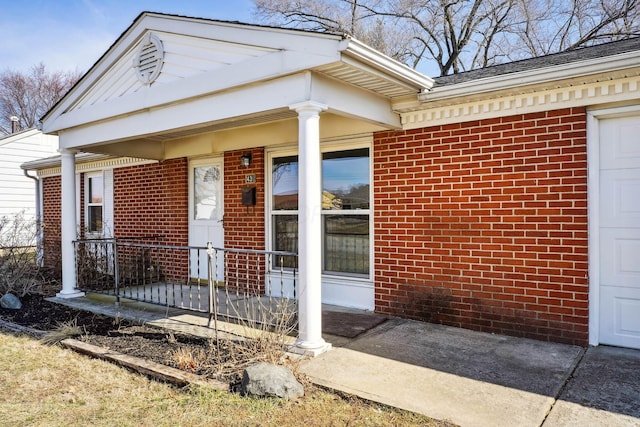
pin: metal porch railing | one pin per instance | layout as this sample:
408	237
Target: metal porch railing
249	286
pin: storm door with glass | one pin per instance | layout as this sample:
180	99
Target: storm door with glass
206	215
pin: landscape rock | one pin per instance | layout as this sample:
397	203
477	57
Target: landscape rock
10	301
264	379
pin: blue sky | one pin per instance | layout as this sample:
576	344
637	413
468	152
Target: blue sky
73	34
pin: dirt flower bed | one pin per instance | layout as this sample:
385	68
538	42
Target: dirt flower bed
223	361
197	355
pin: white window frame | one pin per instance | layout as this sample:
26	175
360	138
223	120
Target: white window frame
87	196
351	144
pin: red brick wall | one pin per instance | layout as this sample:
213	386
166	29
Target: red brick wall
52	214
483	225
244	226
152	200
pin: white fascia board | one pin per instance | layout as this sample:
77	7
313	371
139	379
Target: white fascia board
247	100
54	161
266	67
247	34
392	68
350	101
545	75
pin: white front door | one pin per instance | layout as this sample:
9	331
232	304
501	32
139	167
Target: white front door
206	214
620	231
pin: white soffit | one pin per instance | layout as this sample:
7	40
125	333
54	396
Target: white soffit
364	67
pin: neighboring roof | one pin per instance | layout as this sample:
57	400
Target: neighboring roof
561	58
18	135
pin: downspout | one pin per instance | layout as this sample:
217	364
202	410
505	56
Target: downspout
39	237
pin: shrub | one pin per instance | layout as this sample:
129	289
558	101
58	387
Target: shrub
19	266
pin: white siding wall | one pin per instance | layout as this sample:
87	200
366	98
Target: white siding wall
17	192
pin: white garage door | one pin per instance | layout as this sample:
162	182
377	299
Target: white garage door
620	232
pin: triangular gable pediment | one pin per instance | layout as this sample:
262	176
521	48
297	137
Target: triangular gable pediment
218	54
164	60
182	57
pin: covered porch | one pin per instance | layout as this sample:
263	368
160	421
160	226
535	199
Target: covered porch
200	90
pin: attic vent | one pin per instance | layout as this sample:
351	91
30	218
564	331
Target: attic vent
148	62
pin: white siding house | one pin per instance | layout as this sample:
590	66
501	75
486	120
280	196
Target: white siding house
18	192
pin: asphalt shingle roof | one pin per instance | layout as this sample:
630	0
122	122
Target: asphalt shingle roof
585	53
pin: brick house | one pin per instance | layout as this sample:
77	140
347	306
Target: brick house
502	200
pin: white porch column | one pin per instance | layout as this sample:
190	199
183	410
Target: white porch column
310	338
69	224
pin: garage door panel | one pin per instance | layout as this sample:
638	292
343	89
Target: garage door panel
620	257
620	194
620	323
619	231
619	148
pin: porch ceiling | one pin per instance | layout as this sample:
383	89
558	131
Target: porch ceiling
235	122
280	127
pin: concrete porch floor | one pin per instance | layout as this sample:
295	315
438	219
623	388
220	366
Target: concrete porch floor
469	378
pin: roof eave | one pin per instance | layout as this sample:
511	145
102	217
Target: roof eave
55	161
538	76
12	137
376	59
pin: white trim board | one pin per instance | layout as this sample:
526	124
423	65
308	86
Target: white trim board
593	207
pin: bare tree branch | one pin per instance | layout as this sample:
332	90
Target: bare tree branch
459	35
29	96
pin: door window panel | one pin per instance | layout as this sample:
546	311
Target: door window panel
206	192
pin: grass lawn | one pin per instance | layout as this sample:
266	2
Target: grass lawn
51	386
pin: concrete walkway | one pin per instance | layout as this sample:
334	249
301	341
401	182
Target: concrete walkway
466	377
477	379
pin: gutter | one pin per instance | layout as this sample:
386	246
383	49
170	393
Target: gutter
37	183
39	219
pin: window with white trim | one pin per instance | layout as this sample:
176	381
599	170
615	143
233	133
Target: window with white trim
346	209
94	202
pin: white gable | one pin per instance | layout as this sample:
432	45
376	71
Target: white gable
184	57
169	75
